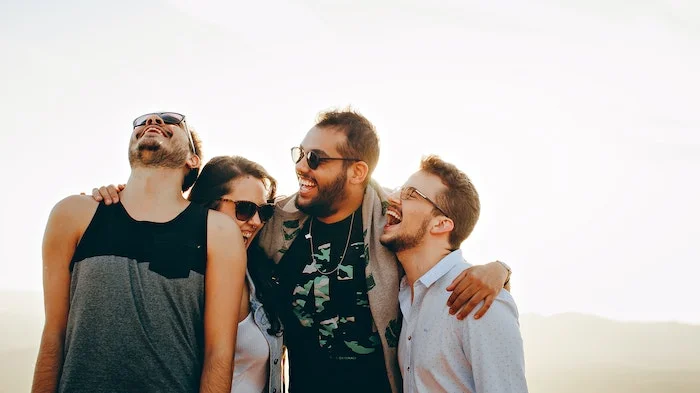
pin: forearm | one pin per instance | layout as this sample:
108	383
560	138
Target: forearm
48	365
217	373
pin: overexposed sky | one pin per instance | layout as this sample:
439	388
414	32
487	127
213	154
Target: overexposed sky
578	120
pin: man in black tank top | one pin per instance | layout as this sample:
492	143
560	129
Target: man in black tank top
142	296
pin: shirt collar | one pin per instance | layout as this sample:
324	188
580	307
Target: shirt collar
441	268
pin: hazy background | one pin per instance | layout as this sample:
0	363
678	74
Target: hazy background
577	121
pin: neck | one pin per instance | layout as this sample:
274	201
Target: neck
352	202
418	260
154	190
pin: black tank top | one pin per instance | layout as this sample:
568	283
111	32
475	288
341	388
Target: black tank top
136	316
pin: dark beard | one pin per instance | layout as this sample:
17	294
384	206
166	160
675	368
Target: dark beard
151	154
406	241
325	203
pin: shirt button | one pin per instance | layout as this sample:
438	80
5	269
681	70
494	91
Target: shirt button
409	338
409	368
275	361
274	390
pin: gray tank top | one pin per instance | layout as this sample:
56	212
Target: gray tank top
136	315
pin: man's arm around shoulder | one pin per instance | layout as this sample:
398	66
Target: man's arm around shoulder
66	225
494	347
223	285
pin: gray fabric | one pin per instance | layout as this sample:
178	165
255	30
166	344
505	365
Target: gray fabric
275	342
131	329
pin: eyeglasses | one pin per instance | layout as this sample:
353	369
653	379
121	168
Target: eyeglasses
172	118
406	193
313	159
245	210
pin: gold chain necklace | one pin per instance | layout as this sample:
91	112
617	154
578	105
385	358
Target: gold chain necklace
347	243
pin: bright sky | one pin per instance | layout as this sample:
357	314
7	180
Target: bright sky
578	123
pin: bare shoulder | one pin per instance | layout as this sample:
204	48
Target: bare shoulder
75	209
219	223
222	231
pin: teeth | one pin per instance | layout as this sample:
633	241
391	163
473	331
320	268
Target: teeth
307	183
394	217
246	234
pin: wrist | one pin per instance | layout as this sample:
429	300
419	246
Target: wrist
508	272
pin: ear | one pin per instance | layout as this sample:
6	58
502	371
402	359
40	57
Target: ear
193	161
444	225
358	172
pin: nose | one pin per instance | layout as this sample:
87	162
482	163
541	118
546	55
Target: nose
302	166
394	197
255	220
154	120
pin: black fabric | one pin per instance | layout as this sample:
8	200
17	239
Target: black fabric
329	332
173	248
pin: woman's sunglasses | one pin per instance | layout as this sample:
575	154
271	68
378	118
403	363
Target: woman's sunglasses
172	118
245	210
313	159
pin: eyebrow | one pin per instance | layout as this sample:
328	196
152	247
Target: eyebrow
317	151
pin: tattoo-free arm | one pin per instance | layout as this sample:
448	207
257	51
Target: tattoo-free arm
223	285
474	285
65	226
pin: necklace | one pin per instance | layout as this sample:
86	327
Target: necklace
347	243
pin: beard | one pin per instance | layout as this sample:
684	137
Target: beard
150	153
325	203
406	241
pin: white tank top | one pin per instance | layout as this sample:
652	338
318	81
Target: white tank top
251	361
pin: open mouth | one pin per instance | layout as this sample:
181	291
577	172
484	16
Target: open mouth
306	185
153	130
393	217
247	235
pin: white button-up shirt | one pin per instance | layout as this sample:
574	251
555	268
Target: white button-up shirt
439	353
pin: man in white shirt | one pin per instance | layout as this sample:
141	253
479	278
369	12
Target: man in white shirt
427	220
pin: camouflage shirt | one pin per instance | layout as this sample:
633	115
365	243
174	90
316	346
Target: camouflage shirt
332	340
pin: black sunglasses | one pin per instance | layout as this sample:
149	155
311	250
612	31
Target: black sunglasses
406	193
172	118
245	210
313	159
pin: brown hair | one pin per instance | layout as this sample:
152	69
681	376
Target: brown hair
191	176
215	179
215	182
362	140
459	199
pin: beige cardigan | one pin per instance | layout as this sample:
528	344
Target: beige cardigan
383	269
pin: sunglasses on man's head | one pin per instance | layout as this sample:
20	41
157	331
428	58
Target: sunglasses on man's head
245	210
313	158
172	118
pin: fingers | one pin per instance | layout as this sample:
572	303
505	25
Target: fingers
121	187
461	297
487	303
96	196
457	279
113	193
472	303
466	302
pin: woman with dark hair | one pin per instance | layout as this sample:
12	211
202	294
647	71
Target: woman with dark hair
243	189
